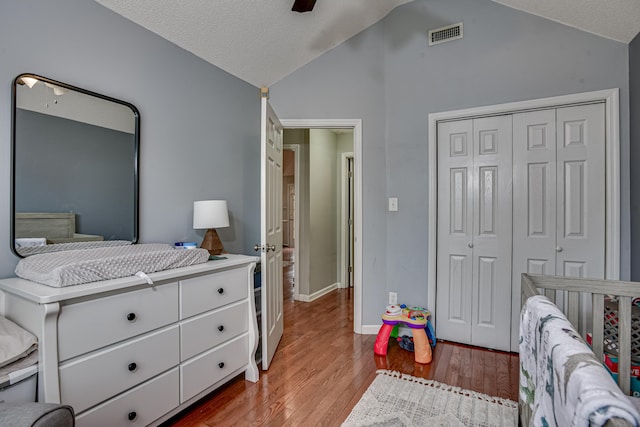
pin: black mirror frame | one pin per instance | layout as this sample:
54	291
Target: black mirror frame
136	160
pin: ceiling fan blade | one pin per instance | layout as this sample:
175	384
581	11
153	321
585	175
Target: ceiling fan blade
303	5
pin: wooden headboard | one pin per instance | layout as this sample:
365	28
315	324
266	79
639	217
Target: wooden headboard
55	227
49	225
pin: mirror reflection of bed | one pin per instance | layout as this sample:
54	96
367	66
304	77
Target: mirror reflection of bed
74	152
36	230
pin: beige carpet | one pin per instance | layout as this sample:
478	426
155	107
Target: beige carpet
395	399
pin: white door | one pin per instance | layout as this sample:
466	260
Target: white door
455	230
559	188
581	191
474	231
292	214
534	201
271	231
492	189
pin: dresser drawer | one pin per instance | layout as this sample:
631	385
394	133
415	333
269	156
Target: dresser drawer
137	407
205	293
101	375
205	370
208	330
90	325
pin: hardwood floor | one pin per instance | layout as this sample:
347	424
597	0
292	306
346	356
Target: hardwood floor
321	369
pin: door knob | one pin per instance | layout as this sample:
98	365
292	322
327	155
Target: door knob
470	245
267	248
558	249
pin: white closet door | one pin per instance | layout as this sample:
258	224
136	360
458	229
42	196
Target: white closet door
455	230
474	232
581	191
492	192
534	202
558	205
581	197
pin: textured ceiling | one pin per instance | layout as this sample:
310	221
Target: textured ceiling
262	41
259	41
614	19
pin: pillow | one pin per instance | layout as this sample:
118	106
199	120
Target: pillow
15	342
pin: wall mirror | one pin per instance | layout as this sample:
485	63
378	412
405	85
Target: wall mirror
74	168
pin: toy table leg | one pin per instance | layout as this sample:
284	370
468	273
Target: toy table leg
382	340
421	346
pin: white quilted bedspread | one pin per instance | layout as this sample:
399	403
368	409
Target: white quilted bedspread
75	267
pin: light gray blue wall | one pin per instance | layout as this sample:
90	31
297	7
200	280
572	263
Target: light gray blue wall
199	125
390	78
323	200
634	107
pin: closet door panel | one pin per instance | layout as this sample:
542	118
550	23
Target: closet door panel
534	201
455	227
581	191
492	201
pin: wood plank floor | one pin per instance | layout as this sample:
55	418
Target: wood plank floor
321	369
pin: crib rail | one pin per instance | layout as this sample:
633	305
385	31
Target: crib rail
625	291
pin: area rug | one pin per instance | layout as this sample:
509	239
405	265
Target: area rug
395	399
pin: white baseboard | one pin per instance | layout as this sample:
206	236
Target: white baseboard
370	329
317	294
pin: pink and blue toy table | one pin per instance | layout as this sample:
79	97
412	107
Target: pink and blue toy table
416	320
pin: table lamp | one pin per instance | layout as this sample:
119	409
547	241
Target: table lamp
211	214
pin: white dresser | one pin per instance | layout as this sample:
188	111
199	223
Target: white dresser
123	352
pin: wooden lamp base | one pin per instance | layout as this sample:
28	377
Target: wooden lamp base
212	242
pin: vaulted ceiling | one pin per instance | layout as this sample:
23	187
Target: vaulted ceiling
262	41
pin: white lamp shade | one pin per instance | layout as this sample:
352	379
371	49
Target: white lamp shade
210	214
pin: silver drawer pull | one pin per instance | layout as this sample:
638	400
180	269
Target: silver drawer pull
132	366
131	317
221	365
220	291
221	328
132	416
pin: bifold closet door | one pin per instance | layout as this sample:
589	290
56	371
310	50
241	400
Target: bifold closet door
474	231
455	231
581	191
534	202
559	196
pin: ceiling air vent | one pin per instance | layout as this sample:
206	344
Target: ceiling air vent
445	34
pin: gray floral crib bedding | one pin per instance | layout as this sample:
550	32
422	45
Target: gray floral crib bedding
561	380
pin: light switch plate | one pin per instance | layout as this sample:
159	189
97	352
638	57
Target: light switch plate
393	298
393	204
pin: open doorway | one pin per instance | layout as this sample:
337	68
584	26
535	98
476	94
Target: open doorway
290	166
324	208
